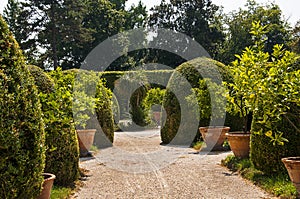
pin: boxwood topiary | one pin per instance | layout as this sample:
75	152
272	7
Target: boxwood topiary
104	114
190	72
62	155
22	151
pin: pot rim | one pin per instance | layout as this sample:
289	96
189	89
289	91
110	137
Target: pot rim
49	176
214	127
291	159
238	133
86	130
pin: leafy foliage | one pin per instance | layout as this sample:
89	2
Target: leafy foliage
84	101
22	151
198	19
239	25
203	99
188	71
268	85
62	155
68	30
43	81
154	97
104	110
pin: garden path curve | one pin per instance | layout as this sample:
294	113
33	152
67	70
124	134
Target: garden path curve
139	167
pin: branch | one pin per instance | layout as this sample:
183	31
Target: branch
295	127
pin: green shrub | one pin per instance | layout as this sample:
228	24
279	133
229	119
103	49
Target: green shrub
22	151
103	120
265	155
104	114
138	114
42	80
187	71
120	83
154	97
62	155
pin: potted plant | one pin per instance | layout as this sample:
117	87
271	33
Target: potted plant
213	136
47	186
269	85
239	141
276	91
84	105
153	102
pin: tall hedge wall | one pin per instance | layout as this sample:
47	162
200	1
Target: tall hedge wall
22	152
188	71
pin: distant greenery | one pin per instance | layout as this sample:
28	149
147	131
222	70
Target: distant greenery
278	185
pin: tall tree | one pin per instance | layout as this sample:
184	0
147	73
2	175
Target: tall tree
195	18
17	19
11	14
295	43
62	32
239	27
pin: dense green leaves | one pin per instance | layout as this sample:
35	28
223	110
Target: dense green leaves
239	25
266	81
62	154
22	151
180	119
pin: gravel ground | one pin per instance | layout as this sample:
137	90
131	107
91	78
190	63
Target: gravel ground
138	167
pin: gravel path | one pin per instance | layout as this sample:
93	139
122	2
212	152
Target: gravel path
138	167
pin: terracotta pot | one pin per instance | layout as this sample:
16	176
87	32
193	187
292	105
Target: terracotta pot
214	137
86	140
292	164
47	186
239	143
156	117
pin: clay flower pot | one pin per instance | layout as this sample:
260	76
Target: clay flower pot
47	186
214	137
239	143
292	164
86	140
156	117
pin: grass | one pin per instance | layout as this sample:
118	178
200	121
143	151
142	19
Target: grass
278	185
197	145
60	192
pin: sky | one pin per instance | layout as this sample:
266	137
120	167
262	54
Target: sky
290	8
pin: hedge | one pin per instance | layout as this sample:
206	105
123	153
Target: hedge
42	80
62	153
186	74
22	151
265	155
130	101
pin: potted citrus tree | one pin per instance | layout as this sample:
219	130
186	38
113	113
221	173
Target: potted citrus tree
84	104
236	96
270	85
213	136
276	91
